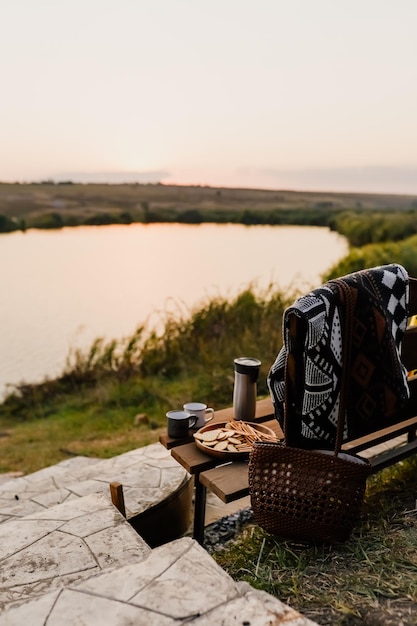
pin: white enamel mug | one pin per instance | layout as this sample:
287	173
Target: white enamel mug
201	411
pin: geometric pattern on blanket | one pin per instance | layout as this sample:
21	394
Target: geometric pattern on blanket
377	381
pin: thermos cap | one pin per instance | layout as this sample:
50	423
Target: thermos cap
247	365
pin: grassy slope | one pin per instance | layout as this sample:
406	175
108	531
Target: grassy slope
91	409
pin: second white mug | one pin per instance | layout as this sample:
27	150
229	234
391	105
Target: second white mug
201	411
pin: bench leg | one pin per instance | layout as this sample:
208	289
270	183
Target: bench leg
199	510
411	435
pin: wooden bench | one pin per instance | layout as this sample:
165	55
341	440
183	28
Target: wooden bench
229	481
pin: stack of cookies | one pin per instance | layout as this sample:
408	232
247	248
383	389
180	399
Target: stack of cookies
234	436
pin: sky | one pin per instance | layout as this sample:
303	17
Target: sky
275	94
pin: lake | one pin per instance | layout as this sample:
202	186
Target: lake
62	289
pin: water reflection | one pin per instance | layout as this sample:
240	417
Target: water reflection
65	288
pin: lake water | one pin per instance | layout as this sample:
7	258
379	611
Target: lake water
63	289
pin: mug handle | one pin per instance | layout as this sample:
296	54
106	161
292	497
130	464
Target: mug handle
192	419
209	410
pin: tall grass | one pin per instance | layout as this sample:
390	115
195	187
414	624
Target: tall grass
371	255
90	408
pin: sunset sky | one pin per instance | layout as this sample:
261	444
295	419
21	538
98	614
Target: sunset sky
295	94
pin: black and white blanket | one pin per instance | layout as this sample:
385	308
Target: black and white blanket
377	382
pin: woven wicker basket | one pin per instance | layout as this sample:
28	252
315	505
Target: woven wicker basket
306	495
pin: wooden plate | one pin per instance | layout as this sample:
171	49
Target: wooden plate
227	454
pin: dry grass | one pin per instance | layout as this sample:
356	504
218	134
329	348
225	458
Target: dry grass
371	579
30	201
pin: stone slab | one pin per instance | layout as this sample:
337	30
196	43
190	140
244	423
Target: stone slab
7	476
61	468
177	583
149	475
63	544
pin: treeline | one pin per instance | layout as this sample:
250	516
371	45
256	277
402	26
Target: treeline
360	227
55	219
8	225
277	217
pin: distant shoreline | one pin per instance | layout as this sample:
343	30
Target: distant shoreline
49	205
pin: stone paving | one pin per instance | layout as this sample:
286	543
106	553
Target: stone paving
178	583
63	544
67	556
148	475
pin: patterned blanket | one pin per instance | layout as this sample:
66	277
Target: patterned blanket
377	381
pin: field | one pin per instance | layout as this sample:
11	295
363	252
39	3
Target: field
50	205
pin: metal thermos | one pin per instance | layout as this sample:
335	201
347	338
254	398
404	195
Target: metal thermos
244	391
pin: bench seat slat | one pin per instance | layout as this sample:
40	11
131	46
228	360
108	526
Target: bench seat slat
386	459
228	482
380	436
190	457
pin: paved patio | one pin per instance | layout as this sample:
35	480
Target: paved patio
149	475
63	544
178	583
67	555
